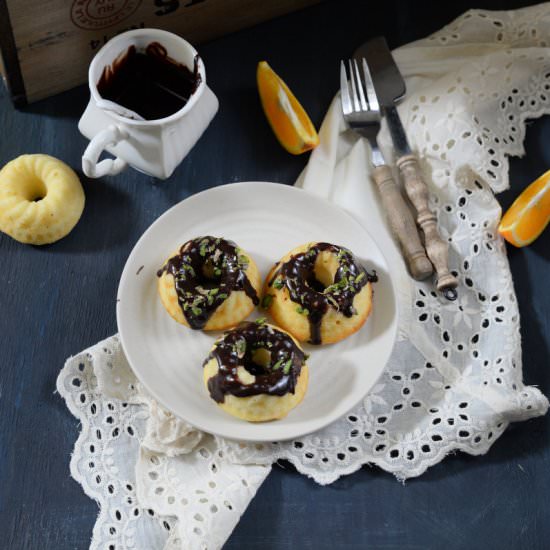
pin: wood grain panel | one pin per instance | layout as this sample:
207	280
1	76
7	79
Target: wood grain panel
56	39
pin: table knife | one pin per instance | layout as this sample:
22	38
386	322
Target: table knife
390	87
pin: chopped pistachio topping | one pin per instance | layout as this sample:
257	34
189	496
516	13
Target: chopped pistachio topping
333	302
287	366
216	256
182	275
199	299
240	347
278	364
261	321
302	310
267	300
203	247
342	253
211	295
278	283
335	287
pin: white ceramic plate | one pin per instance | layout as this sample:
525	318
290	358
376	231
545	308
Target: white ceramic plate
267	220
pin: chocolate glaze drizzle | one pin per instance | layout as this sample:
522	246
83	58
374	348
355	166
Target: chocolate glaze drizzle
313	299
149	82
206	270
237	348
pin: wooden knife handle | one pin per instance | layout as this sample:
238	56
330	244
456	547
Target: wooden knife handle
402	224
436	248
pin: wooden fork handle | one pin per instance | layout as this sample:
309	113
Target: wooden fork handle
402	224
436	248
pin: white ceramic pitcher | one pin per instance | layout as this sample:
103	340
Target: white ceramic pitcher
155	147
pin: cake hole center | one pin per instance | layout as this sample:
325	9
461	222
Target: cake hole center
324	271
261	357
258	362
36	190
210	275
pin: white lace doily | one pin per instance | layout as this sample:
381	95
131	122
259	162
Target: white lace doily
454	380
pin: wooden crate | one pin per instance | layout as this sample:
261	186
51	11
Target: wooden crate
46	45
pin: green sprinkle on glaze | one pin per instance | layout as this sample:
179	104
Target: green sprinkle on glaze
342	253
287	367
241	347
278	283
203	247
340	285
278	364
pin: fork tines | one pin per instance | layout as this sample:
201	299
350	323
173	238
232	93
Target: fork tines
363	96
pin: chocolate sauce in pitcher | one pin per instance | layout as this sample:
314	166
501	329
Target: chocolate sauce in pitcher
149	82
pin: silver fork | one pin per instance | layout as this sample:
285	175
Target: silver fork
362	114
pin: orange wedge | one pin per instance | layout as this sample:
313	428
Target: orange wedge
526	219
290	123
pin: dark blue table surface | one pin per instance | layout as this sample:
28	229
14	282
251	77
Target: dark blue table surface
57	300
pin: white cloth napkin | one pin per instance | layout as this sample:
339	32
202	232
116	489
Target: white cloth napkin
454	380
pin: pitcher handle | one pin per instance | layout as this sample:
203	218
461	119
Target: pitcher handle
90	165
